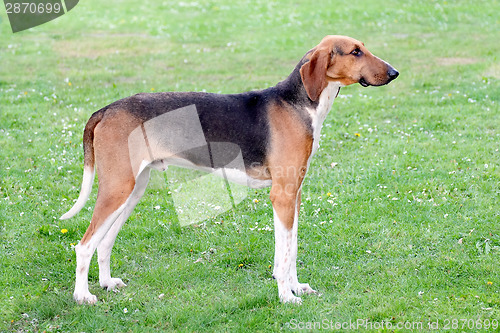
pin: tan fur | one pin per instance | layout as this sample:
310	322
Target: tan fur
291	146
313	72
116	179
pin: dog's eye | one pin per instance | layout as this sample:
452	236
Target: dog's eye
356	52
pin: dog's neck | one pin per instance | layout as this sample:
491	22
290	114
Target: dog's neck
318	114
292	89
326	99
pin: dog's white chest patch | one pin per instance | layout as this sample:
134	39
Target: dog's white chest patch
319	114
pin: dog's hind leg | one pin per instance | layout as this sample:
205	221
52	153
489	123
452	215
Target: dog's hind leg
106	245
115	192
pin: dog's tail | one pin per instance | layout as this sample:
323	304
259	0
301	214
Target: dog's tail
88	164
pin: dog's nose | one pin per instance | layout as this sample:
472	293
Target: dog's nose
392	73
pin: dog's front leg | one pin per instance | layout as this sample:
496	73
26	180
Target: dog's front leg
285	201
282	260
297	288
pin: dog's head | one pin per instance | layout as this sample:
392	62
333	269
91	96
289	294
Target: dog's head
345	60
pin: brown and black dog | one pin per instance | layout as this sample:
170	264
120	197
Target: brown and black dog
276	132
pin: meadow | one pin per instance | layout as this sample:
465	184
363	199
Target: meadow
400	211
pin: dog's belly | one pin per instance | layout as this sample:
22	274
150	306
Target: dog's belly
234	175
242	178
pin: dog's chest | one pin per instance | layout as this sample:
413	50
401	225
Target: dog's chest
318	115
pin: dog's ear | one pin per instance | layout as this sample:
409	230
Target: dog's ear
313	73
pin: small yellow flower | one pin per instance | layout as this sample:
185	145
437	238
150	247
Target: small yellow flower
255	200
328	194
64	231
152	89
70	84
26	93
489	283
269	266
240	265
357	134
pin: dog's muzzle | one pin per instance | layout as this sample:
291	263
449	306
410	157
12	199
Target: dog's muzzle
392	74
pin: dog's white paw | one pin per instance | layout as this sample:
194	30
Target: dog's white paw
85	298
112	284
290	298
303	288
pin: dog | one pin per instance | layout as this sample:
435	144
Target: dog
275	131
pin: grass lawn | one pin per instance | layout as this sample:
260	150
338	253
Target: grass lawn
401	208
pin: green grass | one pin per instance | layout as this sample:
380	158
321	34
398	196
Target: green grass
404	228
